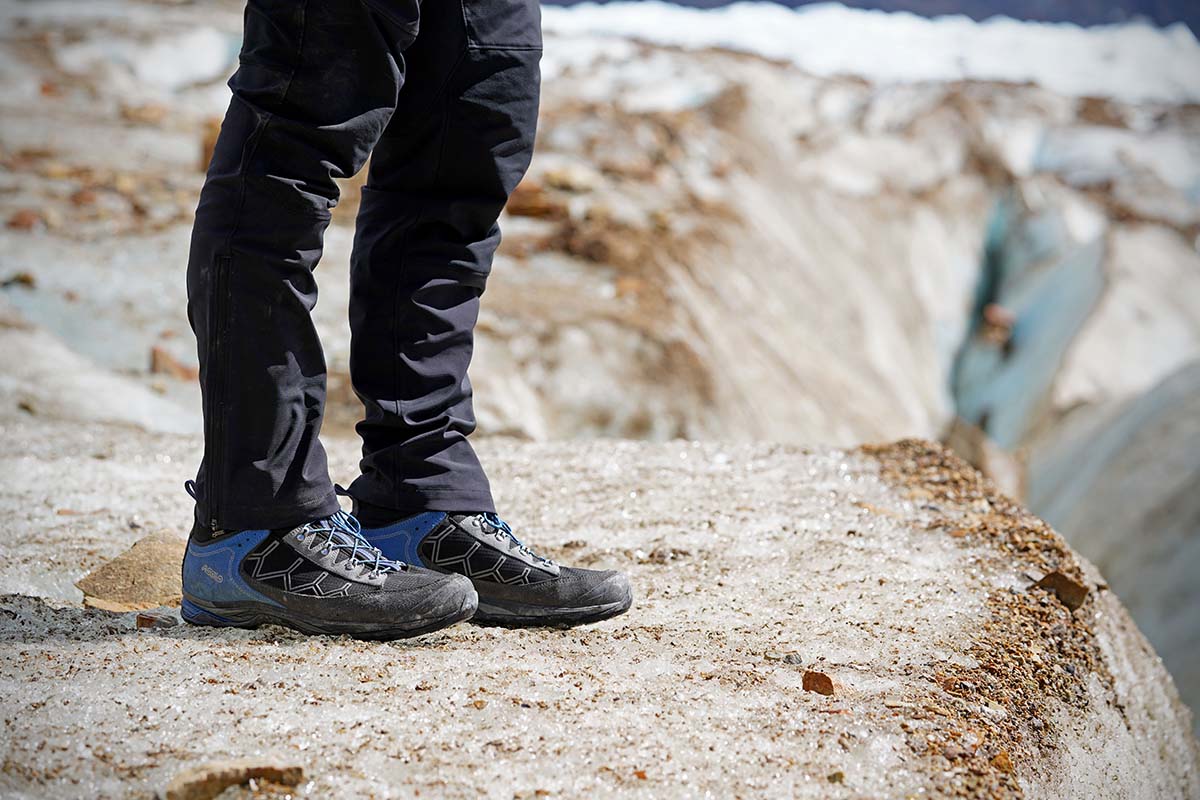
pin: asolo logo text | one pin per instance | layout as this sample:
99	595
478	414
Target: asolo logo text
212	573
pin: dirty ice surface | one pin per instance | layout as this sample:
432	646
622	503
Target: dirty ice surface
1131	61
751	564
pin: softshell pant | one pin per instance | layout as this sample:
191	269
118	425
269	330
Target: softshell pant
442	94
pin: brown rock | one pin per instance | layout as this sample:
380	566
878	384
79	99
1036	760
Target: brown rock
145	114
1002	762
25	220
529	199
22	279
144	576
1070	592
148	620
955	752
998	316
572	178
818	682
210	779
84	197
629	286
208	141
126	184
55	170
163	363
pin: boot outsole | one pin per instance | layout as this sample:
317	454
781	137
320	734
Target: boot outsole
253	615
518	615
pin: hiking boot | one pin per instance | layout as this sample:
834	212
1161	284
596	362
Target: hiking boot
516	586
320	578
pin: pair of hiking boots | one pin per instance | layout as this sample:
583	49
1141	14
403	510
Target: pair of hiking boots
423	573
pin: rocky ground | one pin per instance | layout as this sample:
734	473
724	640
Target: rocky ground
811	623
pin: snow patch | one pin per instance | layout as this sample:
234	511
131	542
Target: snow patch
1133	61
169	63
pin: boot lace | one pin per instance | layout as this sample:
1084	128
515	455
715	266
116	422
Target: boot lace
494	525
342	533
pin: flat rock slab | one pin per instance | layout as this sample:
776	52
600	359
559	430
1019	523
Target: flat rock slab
146	575
894	572
206	781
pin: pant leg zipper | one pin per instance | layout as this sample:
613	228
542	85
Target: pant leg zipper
217	358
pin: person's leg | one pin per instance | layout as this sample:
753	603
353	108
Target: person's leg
460	141
316	86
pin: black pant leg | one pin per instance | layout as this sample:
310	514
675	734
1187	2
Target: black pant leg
460	141
316	86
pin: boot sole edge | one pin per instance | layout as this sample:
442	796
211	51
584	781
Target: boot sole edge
255	615
518	615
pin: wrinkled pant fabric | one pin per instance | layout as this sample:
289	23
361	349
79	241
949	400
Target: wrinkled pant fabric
442	95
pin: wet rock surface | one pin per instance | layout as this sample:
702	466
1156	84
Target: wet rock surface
950	676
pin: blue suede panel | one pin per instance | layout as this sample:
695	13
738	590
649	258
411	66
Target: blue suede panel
210	569
399	540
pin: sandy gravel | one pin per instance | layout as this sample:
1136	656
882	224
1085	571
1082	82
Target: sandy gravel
751	566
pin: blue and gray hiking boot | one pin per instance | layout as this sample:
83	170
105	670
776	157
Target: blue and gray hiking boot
516	586
322	578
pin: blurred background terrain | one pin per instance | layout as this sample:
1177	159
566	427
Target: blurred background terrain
820	226
1080	12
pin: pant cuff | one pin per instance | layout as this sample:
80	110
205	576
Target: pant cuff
407	504
283	515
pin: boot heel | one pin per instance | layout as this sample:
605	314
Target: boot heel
196	615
